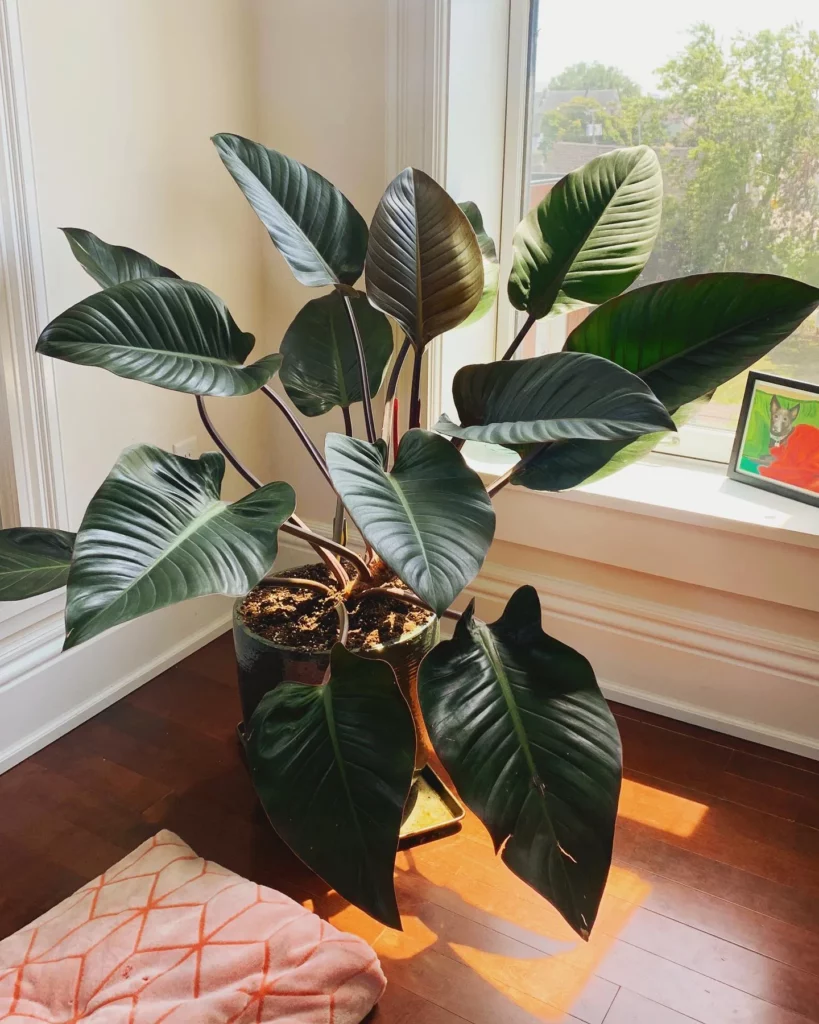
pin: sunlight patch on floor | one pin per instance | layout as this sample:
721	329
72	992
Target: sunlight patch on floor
664	811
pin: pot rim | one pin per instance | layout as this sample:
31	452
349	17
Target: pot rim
238	619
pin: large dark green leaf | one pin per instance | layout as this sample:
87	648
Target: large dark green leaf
333	765
685	338
424	264
156	533
552	398
591	236
33	561
562	466
319	357
171	333
111	264
430	519
522	728
319	232
491	268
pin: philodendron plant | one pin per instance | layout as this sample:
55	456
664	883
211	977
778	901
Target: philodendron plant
515	716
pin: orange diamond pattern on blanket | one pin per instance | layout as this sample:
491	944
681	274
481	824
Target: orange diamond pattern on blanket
164	936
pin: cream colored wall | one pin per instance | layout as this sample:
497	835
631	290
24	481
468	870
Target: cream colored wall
323	103
124	97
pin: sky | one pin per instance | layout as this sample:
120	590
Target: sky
640	35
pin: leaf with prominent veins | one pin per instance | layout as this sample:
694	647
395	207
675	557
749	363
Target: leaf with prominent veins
315	227
33	561
163	331
156	533
111	264
552	398
430	519
520	725
424	265
333	765
591	236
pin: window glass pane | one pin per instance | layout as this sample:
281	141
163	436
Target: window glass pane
727	93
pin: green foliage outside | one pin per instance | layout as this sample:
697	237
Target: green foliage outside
737	134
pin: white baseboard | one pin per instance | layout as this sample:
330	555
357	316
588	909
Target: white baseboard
718	673
722	674
62	692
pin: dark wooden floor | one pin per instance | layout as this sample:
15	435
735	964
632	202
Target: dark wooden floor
711	913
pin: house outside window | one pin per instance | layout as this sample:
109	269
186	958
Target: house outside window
727	94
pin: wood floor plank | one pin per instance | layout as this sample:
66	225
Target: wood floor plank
711	913
773	938
479	891
723	961
458	988
629	1008
772	898
689	993
401	1006
739	836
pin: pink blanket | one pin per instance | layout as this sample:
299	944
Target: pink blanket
165	936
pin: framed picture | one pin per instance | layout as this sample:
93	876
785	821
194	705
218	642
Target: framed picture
777	440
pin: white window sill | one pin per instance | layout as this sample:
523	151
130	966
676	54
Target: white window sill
682	490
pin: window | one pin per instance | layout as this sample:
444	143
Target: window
727	94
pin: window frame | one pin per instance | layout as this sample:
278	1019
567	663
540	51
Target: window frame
31	465
695	442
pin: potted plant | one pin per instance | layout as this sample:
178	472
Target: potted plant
515	716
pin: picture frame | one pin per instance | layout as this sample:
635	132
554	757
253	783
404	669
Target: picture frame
776	447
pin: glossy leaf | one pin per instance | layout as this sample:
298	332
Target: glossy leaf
520	725
566	465
319	358
111	264
171	333
430	519
317	230
552	398
591	236
685	338
156	533
333	766
424	264
33	561
491	268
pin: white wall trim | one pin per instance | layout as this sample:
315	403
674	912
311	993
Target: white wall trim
730	725
672	661
417	90
678	663
32	486
679	629
38	707
417	85
32	413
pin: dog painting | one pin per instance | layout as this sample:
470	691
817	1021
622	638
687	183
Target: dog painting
777	442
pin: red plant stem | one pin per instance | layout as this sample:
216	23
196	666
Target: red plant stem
348	420
395	373
395	428
415	393
332	563
241	469
329	545
502	481
519	338
314	453
369	421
